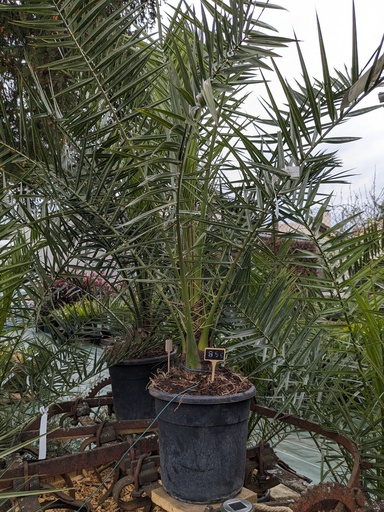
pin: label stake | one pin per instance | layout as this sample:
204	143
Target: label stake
168	349
214	355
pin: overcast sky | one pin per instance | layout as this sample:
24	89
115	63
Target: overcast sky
365	157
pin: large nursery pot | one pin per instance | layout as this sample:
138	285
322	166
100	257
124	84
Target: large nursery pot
202	443
129	380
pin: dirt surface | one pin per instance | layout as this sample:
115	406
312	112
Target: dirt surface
180	378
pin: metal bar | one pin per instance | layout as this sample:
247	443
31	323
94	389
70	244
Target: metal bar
121	427
75	462
68	406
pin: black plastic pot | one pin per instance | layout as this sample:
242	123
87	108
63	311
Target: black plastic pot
203	443
130	380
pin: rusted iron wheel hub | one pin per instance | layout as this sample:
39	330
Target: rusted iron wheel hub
327	495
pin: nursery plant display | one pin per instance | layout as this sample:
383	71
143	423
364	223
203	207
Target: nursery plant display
159	176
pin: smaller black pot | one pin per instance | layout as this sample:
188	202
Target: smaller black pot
130	380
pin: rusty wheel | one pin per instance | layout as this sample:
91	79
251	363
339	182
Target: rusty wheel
98	387
327	496
88	444
130	504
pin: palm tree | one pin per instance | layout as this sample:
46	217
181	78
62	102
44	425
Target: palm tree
159	176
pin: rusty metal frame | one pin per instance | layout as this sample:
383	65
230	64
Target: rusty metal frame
108	446
75	462
311	426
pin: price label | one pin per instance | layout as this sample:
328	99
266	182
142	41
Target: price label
214	355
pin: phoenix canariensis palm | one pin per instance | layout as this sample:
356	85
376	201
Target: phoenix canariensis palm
160	162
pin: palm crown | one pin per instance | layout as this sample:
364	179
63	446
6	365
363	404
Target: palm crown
139	174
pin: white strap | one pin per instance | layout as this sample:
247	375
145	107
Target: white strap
43	433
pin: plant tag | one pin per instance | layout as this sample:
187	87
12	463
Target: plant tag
168	349
214	355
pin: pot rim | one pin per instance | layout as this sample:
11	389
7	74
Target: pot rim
202	399
145	360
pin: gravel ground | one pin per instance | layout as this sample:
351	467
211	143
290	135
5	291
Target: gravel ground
88	489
